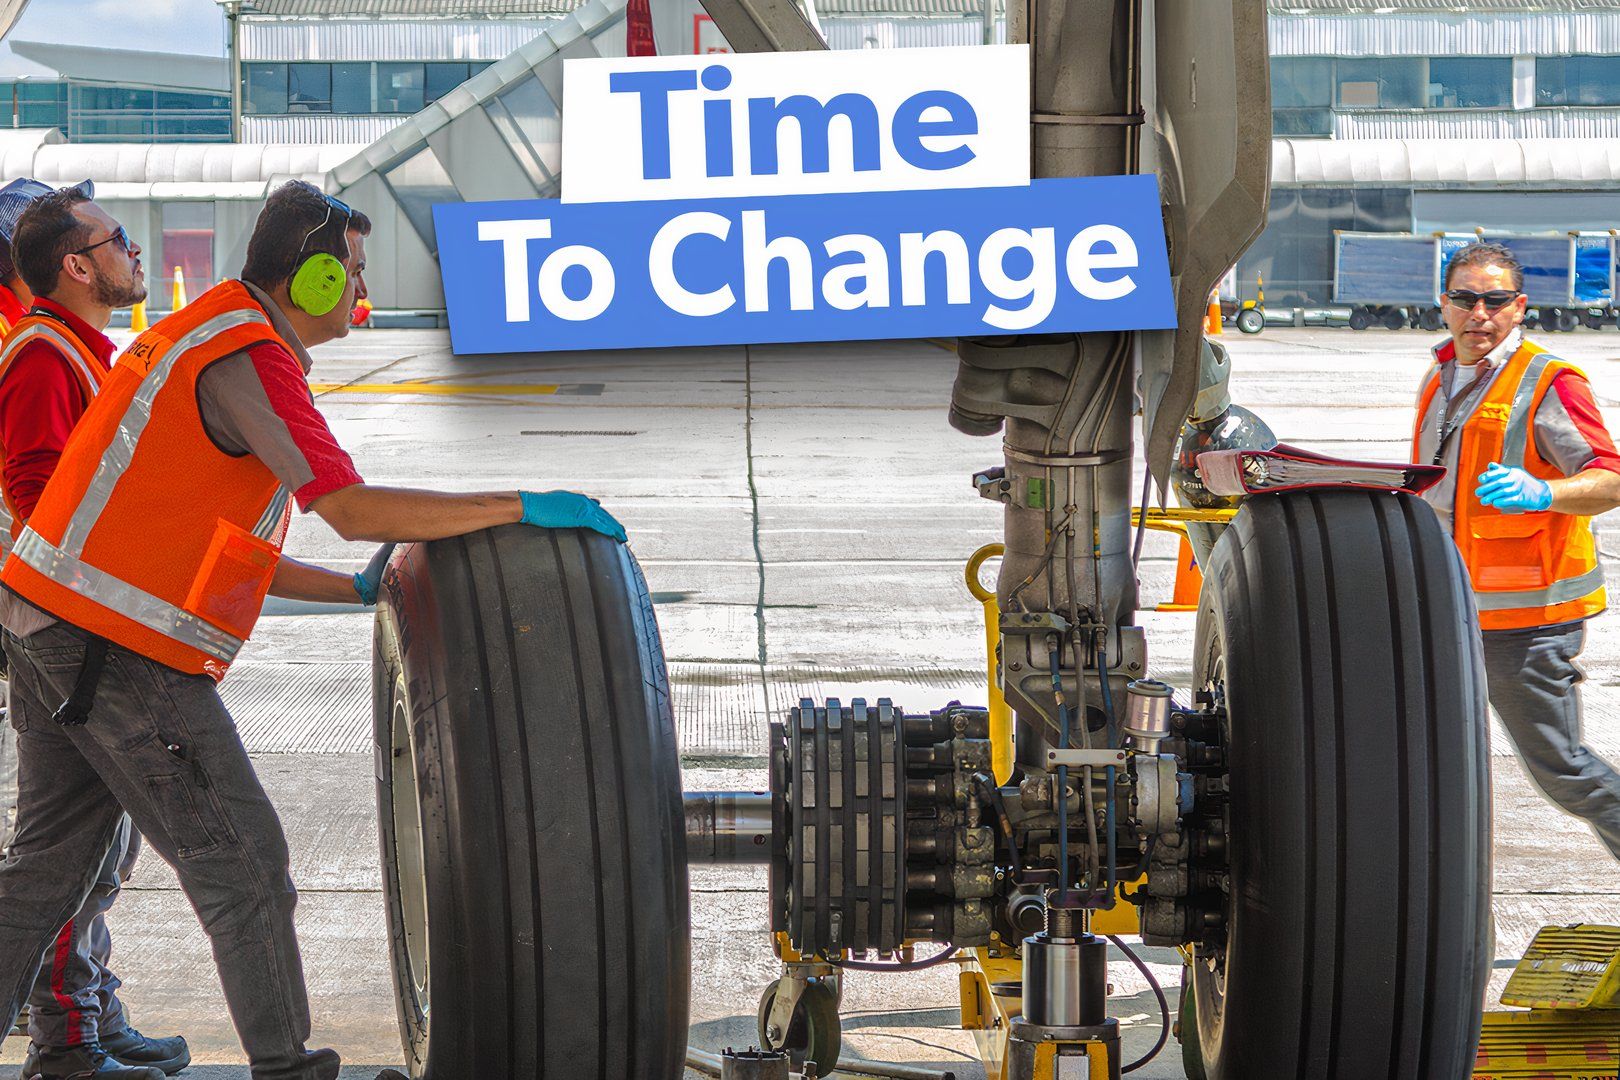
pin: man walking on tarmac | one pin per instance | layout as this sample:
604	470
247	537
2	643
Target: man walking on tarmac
52	362
1529	463
148	558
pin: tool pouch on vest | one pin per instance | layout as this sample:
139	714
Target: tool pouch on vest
231	584
1510	552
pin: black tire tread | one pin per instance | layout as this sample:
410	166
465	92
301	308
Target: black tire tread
560	939
1357	693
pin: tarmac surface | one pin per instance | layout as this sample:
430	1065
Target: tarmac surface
803	514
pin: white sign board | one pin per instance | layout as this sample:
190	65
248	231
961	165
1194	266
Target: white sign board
799	123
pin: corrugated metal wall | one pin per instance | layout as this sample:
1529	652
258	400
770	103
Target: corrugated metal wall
317	128
389	39
1590	123
1433	34
906	33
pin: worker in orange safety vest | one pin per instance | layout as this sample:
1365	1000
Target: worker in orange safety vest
52	363
1529	463
206	427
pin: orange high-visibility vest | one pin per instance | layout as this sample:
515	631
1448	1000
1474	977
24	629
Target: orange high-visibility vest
149	535
84	364
1528	569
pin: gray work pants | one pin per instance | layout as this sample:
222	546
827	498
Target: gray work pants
1535	689
161	746
75	999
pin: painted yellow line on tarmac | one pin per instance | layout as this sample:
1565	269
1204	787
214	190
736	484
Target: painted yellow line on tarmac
445	389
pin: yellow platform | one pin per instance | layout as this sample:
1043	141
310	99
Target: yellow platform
1568	967
1568	980
1547	1044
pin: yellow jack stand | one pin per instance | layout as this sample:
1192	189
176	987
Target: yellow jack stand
1569	980
1189	579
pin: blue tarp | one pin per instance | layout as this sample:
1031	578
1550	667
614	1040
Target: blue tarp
1594	283
1397	269
1384	268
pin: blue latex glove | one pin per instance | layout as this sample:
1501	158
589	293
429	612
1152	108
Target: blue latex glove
1512	491
568	510
369	580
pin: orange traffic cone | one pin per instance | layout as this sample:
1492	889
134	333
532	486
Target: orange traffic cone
1189	581
179	300
1212	323
137	317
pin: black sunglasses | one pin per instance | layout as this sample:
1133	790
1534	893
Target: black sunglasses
121	236
1495	300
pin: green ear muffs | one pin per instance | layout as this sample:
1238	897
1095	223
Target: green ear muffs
318	285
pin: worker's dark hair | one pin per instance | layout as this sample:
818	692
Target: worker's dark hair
8	269
1487	253
277	245
47	233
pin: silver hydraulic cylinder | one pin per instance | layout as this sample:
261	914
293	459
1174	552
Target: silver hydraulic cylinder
728	827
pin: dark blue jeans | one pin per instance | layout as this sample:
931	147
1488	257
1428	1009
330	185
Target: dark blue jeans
1535	687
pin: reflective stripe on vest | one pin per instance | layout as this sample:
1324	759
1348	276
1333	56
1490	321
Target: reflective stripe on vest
1559	592
81	362
1515	441
120	452
270	520
71	351
124	598
1518	434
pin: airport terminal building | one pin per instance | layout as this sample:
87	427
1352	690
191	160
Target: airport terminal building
1420	115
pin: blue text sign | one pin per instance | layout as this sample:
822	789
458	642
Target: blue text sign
795	123
1067	255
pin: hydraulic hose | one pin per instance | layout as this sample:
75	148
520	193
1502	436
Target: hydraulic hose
1108	806
1061	790
1164	1005
704	1062
898	965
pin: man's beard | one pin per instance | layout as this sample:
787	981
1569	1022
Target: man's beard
114	295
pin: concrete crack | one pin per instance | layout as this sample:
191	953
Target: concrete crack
753	507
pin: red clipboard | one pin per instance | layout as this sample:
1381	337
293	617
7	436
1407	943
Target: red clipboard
1289	468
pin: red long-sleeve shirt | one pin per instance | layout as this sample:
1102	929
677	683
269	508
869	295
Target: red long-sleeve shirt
11	308
40	403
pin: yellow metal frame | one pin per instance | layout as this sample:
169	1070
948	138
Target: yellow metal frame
989	1015
1174	519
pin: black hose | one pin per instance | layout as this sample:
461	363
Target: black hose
1158	992
913	965
992	794
1141	519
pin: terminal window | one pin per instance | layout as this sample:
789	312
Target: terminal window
309	87
1578	80
1380	82
264	88
351	89
400	88
1470	82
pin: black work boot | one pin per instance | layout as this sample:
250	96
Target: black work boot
87	1062
130	1047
